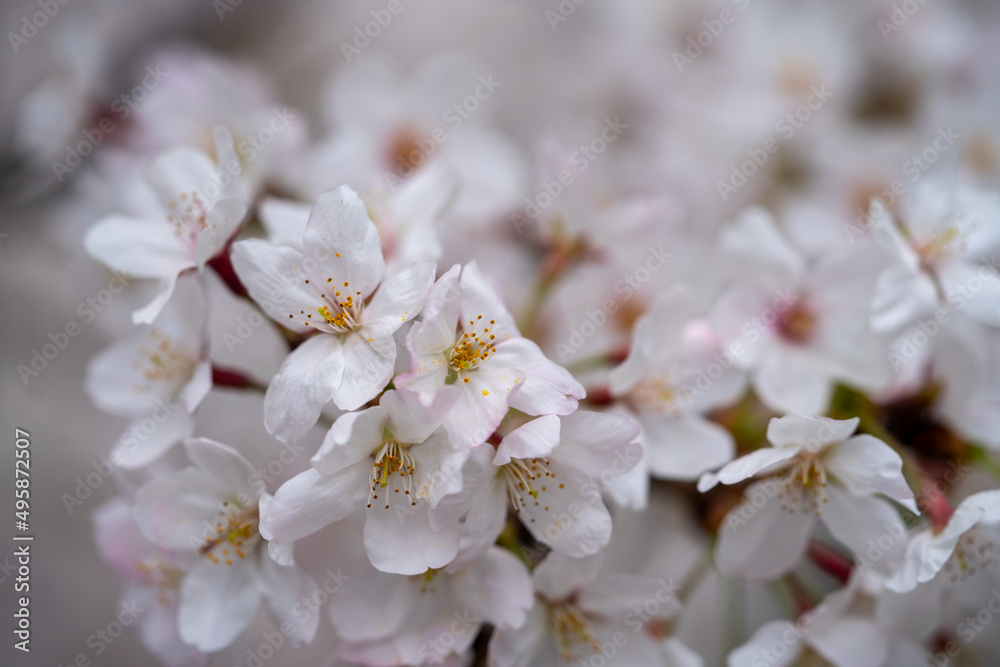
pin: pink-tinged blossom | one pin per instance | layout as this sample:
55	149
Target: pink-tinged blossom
467	339
815	469
334	290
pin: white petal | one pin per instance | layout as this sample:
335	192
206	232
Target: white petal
353	438
564	515
559	576
241	339
653	334
758	250
496	588
747	466
410	420
866	465
284	220
308	380
683	448
178	510
148	438
399	299
139	247
791	380
372	605
850	642
181	172
218	602
340	234
148	313
369	360
285	587
309	501
595	442
224	464
535	439
438	468
548	388
865	525
479	298
482	404
275	278
616	595
752	653
220	225
759	540
797	431
404	542
903	295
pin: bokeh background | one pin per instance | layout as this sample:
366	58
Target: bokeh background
893	89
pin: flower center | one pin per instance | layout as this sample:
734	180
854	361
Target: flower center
188	216
526	479
236	533
341	309
160	361
161	575
941	246
404	152
802	487
392	472
473	347
573	633
973	553
798	323
659	394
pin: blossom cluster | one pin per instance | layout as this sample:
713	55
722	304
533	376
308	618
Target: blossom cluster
402	400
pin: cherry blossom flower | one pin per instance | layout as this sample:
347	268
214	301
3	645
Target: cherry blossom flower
154	578
156	378
212	510
466	338
804	327
841	632
676	371
198	206
391	619
944	252
816	470
383	460
967	545
551	472
333	289
580	615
